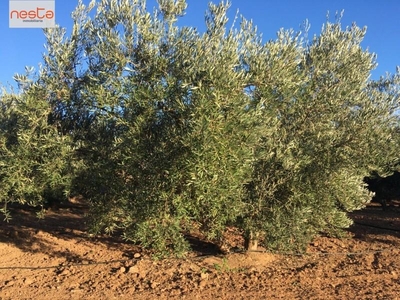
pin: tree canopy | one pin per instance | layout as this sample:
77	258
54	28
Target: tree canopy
165	130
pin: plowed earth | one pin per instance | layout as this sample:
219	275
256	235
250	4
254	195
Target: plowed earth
55	259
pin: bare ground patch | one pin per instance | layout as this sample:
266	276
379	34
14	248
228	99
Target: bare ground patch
55	259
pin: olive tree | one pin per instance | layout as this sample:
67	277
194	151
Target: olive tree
36	160
180	130
326	125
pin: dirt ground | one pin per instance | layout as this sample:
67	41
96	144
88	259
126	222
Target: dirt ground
55	259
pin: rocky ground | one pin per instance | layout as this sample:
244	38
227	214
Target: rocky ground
55	259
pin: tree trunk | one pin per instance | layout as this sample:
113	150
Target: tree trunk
251	240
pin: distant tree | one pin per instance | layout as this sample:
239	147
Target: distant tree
180	130
36	160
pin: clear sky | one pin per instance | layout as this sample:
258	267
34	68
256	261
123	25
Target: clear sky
22	47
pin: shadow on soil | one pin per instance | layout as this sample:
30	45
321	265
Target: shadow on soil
32	234
68	222
27	232
372	222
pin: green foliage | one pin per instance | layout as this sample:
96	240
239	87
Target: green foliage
35	158
326	118
172	129
162	234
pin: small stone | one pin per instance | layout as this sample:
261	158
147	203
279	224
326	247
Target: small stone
122	270
28	281
202	284
134	269
252	270
65	272
137	255
193	267
9	282
153	285
74	285
204	275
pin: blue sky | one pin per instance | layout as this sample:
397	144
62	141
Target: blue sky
22	47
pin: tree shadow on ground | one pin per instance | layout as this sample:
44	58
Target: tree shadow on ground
69	223
31	234
372	222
